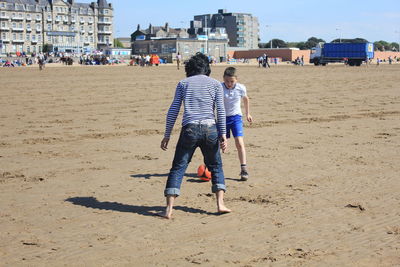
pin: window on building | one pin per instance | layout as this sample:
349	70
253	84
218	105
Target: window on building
14	36
20	25
49	27
33	37
106	11
14	25
28	49
3	5
49	39
21	36
4	36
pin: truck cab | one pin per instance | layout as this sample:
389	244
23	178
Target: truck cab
317	54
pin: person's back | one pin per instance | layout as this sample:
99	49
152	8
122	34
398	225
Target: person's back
200	96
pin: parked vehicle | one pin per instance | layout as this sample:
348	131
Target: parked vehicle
351	53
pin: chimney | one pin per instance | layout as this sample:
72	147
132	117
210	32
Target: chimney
166	27
138	27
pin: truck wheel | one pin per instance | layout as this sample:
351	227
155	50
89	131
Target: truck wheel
316	62
324	64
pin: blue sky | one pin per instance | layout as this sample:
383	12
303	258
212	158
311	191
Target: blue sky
289	20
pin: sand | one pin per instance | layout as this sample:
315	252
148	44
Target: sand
82	175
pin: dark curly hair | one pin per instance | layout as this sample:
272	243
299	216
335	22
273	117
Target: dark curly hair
198	65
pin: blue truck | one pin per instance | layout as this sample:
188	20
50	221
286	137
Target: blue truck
351	53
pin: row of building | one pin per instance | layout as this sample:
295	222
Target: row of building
211	34
55	25
68	26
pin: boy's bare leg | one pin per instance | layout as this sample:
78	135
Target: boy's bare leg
220	202
167	214
241	149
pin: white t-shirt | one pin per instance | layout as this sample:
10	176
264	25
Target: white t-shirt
232	99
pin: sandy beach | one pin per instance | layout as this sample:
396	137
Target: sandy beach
82	174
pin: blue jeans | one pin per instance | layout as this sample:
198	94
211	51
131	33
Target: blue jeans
192	136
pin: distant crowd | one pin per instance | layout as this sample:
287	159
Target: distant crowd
146	60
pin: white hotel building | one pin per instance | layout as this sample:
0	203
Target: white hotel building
63	26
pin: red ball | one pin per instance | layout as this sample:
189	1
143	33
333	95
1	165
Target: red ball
203	173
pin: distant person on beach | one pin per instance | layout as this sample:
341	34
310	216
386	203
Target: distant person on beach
201	97
265	61
178	60
260	61
233	93
41	62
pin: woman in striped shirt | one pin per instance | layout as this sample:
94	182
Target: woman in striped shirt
200	96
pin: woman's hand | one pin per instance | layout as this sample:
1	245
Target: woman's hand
164	143
223	143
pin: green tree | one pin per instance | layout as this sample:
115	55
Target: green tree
46	48
312	42
382	46
278	43
302	46
394	46
118	44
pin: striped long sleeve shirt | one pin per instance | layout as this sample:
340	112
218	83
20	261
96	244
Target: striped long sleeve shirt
201	97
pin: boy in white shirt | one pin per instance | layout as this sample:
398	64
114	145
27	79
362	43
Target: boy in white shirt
233	93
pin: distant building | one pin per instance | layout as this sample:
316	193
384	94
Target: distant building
154	32
167	42
65	26
242	29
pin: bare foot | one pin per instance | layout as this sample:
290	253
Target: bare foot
164	215
222	209
220	202
167	214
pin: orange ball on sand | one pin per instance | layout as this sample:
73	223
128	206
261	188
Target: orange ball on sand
203	173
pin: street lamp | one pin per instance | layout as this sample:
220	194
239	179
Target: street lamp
398	49
269	26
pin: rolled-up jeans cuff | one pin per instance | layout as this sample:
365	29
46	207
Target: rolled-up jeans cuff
216	187
172	191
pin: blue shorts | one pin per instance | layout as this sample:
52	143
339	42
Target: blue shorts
234	124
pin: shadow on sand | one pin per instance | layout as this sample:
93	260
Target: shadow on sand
92	202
